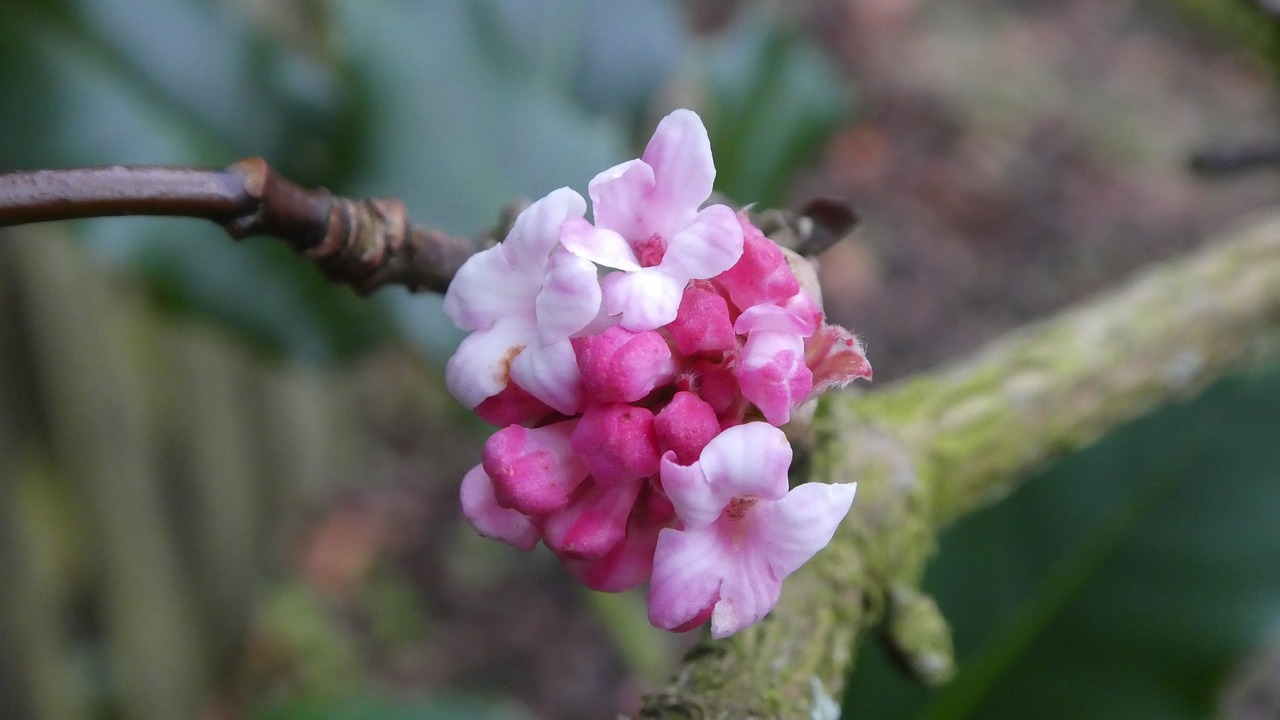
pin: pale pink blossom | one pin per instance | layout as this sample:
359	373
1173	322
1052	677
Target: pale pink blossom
771	368
742	532
622	399
648	225
522	300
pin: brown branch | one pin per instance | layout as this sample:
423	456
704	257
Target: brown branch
361	243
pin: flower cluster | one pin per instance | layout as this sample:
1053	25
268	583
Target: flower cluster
639	366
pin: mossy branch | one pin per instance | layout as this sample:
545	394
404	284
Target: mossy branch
931	449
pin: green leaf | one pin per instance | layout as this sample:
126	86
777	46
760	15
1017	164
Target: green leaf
1125	583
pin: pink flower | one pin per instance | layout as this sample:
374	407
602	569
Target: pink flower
523	299
771	368
742	534
622	400
648	225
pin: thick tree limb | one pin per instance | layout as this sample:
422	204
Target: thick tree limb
934	448
362	243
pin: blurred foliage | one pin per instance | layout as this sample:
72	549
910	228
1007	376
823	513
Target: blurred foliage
1238	21
1127	582
381	708
776	100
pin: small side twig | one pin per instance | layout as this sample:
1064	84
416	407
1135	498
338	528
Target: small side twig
365	244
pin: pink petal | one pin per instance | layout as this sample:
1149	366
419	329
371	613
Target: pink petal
683	169
620	200
482	365
802	523
570	297
593	523
549	372
744	460
772	374
749	591
775	318
533	470
488	288
708	246
599	245
617	442
481	509
803	306
645	299
751	459
536	230
619	365
687	571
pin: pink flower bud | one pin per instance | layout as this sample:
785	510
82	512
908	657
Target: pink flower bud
836	357
619	365
702	323
761	275
773	375
481	509
617	442
685	426
630	562
594	521
534	470
513	406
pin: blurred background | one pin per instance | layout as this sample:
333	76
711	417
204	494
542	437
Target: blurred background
228	490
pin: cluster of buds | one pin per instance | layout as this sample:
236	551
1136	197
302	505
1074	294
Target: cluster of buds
639	366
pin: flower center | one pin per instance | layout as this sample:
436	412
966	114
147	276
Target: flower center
738	507
650	251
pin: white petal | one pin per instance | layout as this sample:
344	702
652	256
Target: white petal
683	169
620	200
697	504
480	367
481	508
549	372
687	571
749	591
708	246
645	299
599	245
773	318
750	459
488	288
570	297
536	230
802	523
